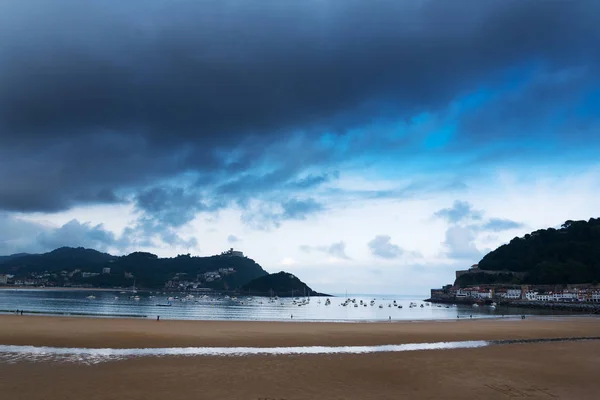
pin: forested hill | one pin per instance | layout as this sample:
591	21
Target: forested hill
148	270
567	255
281	284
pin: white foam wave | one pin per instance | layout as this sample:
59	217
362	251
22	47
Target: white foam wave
9	353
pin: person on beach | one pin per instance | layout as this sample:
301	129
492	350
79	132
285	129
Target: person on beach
21	312
157	318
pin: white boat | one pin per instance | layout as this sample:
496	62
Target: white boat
91	297
116	297
355	305
475	305
380	306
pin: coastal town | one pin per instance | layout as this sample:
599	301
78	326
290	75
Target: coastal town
87	278
582	296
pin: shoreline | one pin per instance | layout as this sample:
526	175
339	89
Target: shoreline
88	332
592	308
60	289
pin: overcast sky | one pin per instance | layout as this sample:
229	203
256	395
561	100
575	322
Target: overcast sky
369	146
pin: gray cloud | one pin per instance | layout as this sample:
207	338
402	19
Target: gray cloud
77	234
101	100
233	239
381	246
266	216
296	209
337	249
460	211
459	244
499	224
18	235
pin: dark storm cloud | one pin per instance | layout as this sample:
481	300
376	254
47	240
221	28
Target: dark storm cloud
266	216
171	206
99	99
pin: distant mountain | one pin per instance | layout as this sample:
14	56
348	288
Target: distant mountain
282	284
567	255
148	270
64	258
12	256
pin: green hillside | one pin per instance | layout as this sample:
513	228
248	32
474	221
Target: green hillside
282	284
147	269
567	255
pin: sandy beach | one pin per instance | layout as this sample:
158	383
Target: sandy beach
565	370
128	333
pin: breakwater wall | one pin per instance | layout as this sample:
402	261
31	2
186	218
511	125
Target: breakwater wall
591	308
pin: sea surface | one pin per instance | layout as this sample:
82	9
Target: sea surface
221	307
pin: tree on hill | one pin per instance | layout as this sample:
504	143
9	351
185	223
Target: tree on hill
567	255
279	284
149	270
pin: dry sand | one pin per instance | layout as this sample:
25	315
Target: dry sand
564	370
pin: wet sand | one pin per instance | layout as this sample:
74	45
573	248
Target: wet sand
563	370
566	370
135	333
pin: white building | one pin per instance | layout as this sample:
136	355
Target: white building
106	270
544	297
233	253
513	294
596	296
531	296
89	274
3	279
